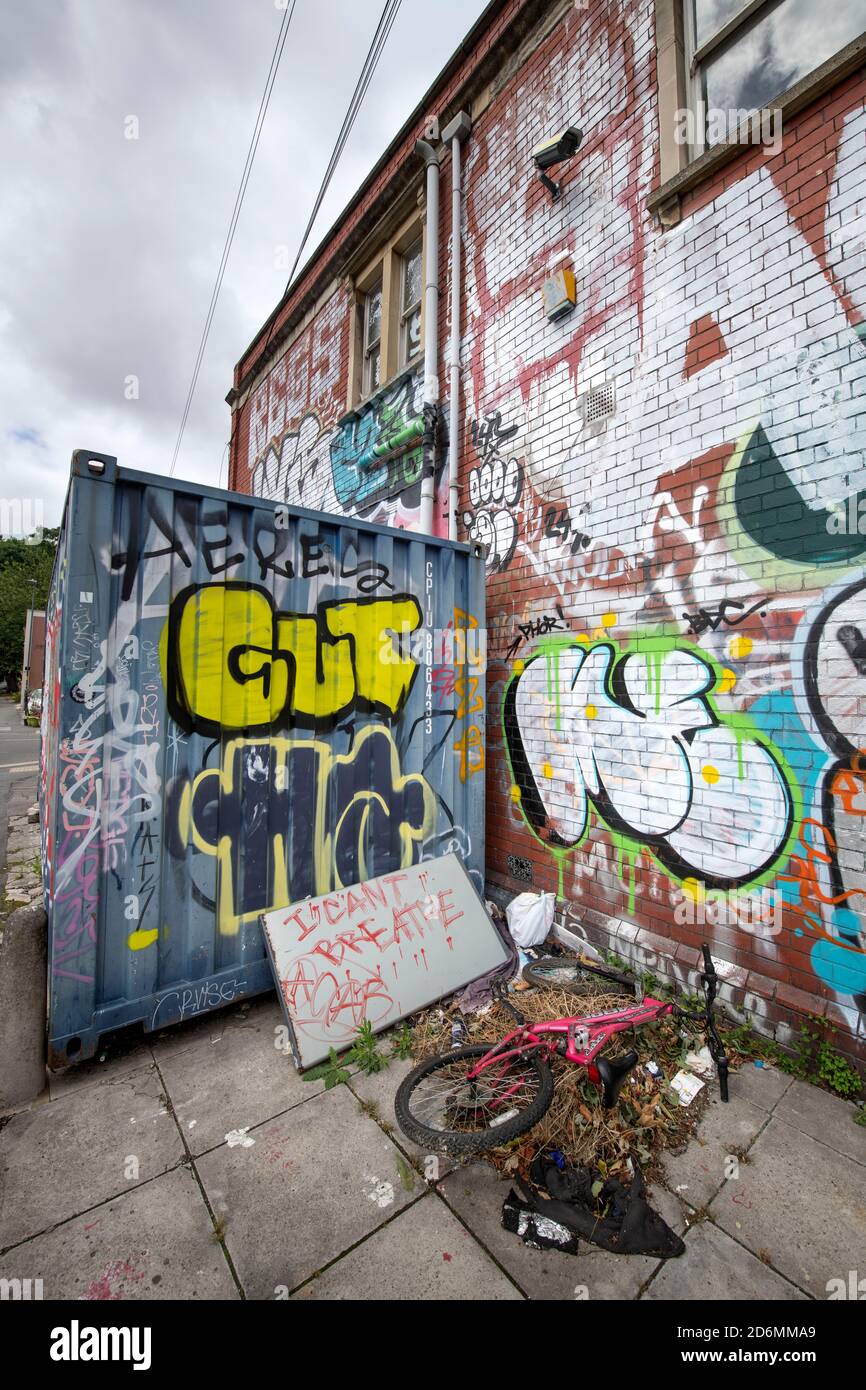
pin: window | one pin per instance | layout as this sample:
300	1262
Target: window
410	304
387	333
743	54
373	339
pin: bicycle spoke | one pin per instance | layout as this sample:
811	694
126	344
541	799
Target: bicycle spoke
452	1100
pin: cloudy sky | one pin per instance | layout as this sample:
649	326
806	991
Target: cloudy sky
109	246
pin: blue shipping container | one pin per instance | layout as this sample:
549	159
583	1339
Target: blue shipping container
245	704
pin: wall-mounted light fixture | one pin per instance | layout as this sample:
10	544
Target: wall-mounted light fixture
554	151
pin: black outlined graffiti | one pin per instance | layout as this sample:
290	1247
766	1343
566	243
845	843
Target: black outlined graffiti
495	489
235	663
729	612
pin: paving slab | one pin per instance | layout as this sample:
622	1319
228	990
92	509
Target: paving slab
311	1184
423	1254
799	1204
476	1193
762	1086
235	1081
725	1128
61	1159
824	1117
204	1030
714	1267
91	1073
379	1090
154	1242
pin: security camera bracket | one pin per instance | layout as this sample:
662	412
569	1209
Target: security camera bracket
553	188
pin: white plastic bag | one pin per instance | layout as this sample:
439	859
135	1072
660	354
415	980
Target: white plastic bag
530	917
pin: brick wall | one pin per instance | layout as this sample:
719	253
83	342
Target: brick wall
676	610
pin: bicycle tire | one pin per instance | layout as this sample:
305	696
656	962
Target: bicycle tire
553	972
458	1141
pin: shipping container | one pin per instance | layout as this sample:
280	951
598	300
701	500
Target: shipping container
246	704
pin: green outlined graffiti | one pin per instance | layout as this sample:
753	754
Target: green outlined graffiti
631	734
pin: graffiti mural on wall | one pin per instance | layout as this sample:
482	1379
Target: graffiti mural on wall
635	735
495	487
693	720
369	464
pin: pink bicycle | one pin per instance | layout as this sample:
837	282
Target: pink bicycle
479	1097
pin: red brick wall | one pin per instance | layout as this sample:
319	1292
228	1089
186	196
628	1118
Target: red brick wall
663	751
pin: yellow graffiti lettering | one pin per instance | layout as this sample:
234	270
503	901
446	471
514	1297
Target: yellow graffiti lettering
234	663
380	682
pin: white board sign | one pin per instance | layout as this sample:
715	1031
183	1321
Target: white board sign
379	950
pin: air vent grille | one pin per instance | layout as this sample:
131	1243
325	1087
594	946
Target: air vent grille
599	403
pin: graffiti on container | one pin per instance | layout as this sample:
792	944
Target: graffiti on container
235	662
364	817
177	1004
225	541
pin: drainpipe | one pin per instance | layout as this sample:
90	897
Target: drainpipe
431	325
456	131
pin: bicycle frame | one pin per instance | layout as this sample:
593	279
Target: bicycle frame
585	1036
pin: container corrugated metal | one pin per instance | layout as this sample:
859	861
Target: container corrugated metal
245	704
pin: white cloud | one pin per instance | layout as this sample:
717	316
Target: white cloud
109	246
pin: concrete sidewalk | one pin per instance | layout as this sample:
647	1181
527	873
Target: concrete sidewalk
200	1165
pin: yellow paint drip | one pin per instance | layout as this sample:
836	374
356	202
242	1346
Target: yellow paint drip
608	620
515	793
590	711
547	770
739	648
710	774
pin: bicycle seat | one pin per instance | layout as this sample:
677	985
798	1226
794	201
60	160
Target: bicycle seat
613	1074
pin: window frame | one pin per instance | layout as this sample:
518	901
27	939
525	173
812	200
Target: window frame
405	358
681	166
385	267
696	54
369	348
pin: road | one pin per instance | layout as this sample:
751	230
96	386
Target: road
19	758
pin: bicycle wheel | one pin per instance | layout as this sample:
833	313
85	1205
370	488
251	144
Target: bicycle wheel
557	972
440	1108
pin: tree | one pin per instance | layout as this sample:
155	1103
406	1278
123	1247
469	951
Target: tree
21	561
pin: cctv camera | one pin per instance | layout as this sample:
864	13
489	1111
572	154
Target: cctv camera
557	148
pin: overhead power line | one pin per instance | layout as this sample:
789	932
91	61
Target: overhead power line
371	62
242	188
